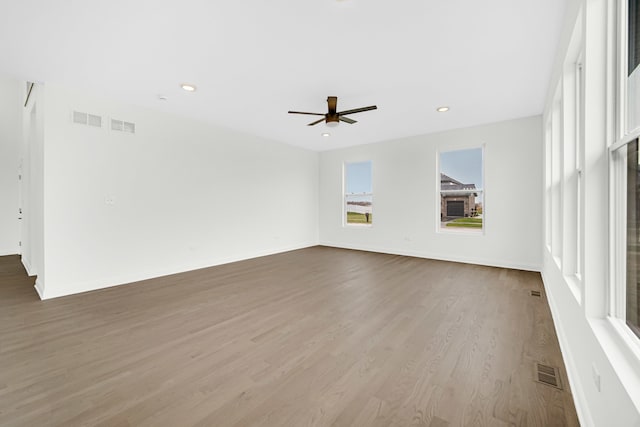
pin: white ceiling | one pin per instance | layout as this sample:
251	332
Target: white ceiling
254	60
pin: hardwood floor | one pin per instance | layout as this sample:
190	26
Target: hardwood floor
319	336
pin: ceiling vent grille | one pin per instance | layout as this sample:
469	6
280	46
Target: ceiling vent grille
116	125
87	119
129	127
79	118
122	126
95	120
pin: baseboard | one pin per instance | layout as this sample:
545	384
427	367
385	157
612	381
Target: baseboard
81	287
27	266
39	288
439	257
577	390
6	252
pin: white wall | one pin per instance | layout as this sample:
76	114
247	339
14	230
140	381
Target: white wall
185	195
10	143
32	227
593	344
406	202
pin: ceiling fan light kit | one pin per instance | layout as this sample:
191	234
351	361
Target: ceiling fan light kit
333	117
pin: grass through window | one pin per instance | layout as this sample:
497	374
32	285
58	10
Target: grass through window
465	222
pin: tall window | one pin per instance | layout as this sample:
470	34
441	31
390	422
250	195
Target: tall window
633	70
633	238
358	194
626	194
461	190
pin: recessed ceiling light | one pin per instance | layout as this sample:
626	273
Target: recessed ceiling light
442	109
188	87
326	135
162	97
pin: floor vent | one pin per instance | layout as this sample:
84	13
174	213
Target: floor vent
535	293
547	375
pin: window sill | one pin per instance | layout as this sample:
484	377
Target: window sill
623	352
465	231
575	286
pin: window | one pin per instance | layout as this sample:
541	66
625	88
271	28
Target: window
626	178
632	309
461	190
358	194
633	60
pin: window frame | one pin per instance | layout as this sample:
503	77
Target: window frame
619	137
462	231
579	162
345	223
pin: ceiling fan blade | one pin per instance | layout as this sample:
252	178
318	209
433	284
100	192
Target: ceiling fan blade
332	102
347	120
302	112
358	110
316	122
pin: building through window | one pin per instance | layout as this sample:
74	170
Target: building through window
461	192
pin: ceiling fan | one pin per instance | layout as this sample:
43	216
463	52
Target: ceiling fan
333	117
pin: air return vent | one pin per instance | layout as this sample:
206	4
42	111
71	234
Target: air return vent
122	126
95	120
535	293
547	375
87	119
79	118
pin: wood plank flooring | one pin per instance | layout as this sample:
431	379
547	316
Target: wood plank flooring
315	337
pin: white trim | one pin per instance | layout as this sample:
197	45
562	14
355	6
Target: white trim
623	353
465	231
575	286
577	390
7	252
618	61
27	266
39	288
428	255
624	141
467	191
630	340
617	232
107	282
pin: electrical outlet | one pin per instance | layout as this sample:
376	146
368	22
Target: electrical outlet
596	376
109	200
